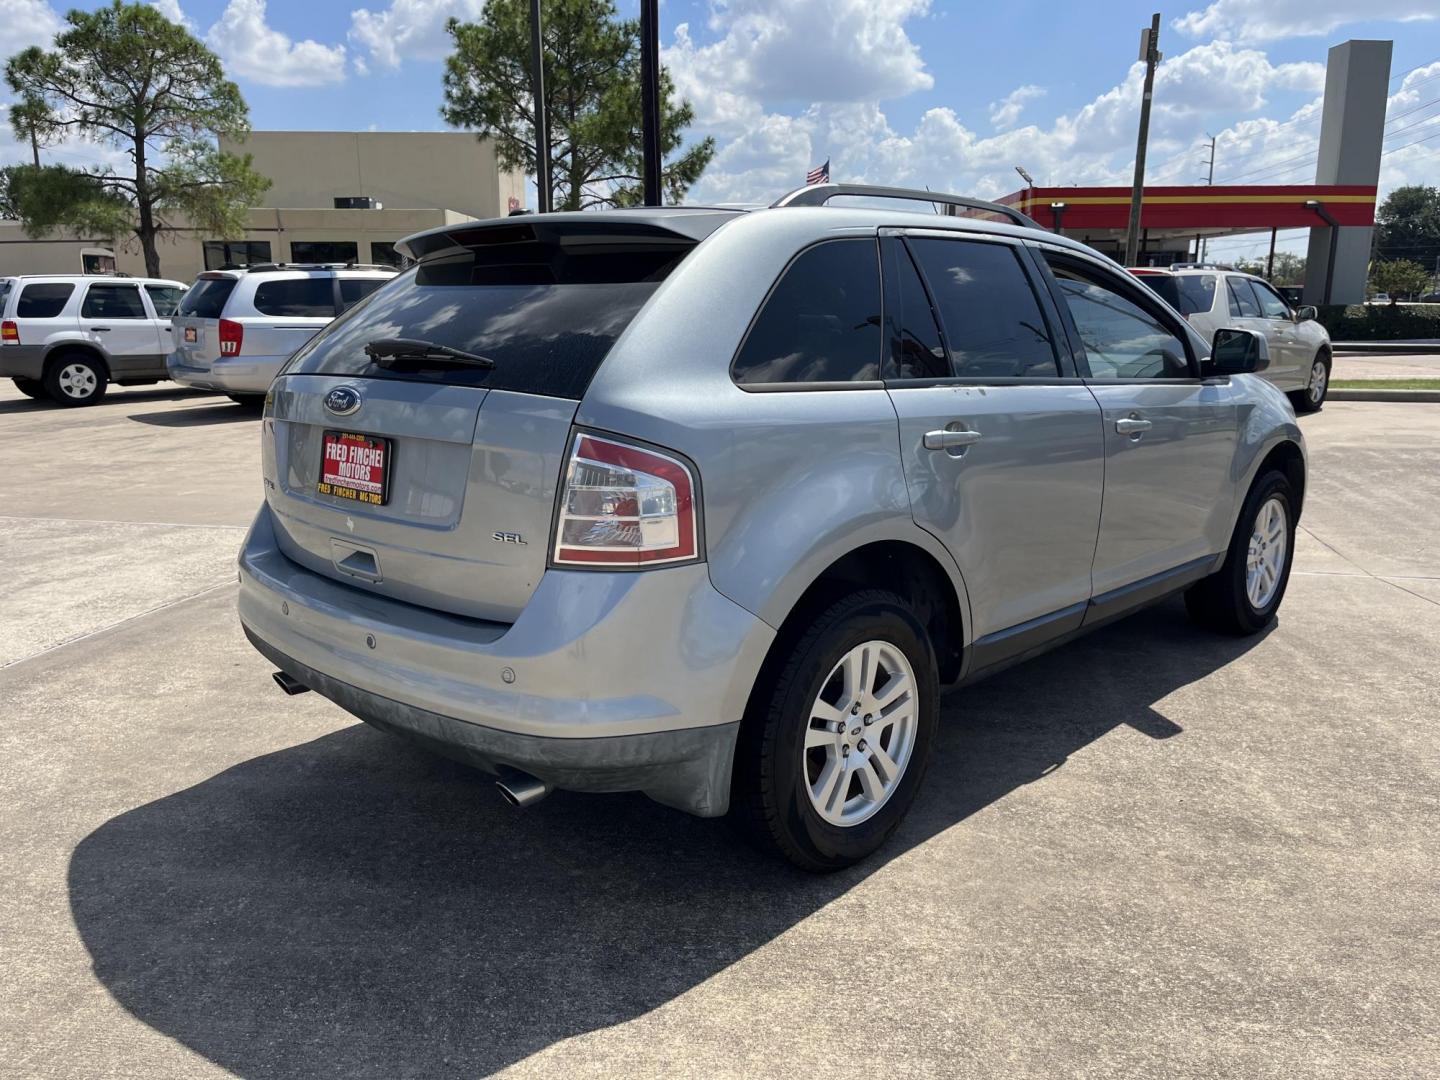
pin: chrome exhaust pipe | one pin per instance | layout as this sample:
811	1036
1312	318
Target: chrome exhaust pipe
289	684
521	789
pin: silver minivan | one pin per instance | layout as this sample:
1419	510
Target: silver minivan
234	328
710	503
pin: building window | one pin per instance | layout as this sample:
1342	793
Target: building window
324	251
231	254
383	253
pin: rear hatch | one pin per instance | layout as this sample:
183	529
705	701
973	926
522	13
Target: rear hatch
196	322
431	478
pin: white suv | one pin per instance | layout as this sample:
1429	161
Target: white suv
67	336
1216	297
235	328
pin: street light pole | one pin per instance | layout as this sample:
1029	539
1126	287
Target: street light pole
1150	53
542	120
650	99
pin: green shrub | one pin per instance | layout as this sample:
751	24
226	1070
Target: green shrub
1381	322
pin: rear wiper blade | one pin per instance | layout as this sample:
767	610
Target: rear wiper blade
396	348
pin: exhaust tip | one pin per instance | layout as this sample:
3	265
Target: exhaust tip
289	684
521	789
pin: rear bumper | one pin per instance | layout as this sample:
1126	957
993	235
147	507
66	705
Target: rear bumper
238	375
606	682
22	361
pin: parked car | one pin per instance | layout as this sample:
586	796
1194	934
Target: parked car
236	327
68	336
709	504
1300	353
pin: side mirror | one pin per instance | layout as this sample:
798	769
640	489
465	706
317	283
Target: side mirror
1237	352
1306	313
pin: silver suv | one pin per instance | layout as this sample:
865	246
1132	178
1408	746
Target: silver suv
1212	297
236	327
68	336
710	503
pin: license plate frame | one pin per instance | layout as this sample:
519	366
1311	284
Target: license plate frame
361	486
191	337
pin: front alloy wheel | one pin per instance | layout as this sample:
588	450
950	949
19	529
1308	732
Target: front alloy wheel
1313	396
1265	557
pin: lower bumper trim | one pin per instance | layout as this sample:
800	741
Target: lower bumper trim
688	769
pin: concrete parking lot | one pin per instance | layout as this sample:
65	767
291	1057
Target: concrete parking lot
1151	853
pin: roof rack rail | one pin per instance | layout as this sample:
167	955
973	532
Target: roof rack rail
820	194
1200	266
261	267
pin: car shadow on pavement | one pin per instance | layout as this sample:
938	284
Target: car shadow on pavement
218	411
352	906
117	397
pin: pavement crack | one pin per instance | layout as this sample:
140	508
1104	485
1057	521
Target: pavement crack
1391	581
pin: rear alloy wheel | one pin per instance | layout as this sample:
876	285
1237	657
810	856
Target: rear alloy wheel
75	380
1244	594
1313	396
32	388
838	733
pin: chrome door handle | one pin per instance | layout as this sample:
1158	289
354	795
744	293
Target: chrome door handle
949	440
1131	425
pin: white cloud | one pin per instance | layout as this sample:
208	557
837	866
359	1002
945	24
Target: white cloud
171	10
1005	112
254	50
1265	20
408	29
26	23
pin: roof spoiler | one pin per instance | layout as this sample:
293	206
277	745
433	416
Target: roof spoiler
820	194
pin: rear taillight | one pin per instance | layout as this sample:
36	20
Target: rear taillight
623	506
9	333
232	336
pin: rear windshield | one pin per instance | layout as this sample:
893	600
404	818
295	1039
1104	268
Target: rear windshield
206	298
43	301
545	314
1190	294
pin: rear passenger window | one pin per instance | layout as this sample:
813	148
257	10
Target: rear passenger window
919	352
1195	293
821	322
43	301
992	322
311	297
1242	300
113	302
353	290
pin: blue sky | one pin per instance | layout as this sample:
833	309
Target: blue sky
892	91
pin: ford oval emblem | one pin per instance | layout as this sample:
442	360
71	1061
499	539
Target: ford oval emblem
343	400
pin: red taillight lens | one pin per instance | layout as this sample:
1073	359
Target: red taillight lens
9	333
232	336
623	506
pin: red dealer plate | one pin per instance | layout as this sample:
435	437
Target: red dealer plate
191	336
355	467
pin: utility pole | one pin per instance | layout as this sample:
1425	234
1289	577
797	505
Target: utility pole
1210	174
542	119
1150	53
650	99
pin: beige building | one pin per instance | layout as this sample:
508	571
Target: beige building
316	209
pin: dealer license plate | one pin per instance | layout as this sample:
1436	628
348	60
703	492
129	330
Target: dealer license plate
355	467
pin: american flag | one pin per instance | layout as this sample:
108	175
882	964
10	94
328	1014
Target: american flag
820	174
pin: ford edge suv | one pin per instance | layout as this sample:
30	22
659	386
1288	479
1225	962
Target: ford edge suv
711	503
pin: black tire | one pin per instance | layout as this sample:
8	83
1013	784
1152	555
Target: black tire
59	388
1309	400
32	388
1220	602
768	800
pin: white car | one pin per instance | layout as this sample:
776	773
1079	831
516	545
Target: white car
68	336
235	328
1212	298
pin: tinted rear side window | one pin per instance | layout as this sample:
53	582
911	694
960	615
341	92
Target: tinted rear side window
312	297
988	311
821	322
544	314
1243	304
113	302
919	353
206	298
164	299
43	301
1196	294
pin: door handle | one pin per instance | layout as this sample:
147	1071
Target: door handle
1132	425
100	329
950	440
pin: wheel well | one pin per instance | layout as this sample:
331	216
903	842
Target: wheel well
902	568
55	355
1288	459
